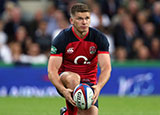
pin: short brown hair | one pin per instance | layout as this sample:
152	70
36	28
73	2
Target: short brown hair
79	7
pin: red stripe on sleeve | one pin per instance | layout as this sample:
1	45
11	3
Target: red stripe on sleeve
103	52
56	55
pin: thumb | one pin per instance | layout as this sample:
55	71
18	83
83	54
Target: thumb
94	86
70	90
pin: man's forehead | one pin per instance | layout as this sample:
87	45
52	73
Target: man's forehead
82	14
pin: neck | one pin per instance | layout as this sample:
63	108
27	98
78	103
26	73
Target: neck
80	34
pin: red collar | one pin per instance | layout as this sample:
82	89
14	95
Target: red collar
78	36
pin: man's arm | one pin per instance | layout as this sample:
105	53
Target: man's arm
53	67
105	66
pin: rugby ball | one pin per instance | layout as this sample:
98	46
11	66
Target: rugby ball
82	95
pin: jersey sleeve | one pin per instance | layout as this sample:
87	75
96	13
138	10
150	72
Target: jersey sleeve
103	44
58	45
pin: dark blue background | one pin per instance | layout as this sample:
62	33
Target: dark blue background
37	76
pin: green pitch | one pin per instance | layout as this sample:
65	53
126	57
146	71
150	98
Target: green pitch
108	105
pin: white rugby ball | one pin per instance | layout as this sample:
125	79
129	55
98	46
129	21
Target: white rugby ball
82	95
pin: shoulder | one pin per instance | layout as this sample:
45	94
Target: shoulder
94	30
97	33
64	32
62	35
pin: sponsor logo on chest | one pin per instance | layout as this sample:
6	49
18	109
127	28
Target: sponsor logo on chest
70	50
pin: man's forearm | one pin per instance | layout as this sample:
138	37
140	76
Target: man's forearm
103	78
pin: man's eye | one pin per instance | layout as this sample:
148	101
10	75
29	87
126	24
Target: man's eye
80	18
87	18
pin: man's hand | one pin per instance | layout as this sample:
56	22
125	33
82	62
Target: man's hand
96	93
67	94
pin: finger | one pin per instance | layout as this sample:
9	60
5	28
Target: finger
94	101
71	99
94	86
72	102
94	96
70	90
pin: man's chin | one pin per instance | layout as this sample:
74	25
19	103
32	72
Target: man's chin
84	30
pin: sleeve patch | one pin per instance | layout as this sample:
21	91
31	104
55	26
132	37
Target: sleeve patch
53	50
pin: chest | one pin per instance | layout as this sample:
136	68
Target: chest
80	52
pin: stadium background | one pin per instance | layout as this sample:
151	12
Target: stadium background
132	28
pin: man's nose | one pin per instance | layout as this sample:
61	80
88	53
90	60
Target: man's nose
84	21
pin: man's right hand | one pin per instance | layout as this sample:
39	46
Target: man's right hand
67	94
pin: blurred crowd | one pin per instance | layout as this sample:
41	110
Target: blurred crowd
131	26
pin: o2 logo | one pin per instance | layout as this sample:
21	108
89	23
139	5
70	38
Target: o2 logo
81	60
141	84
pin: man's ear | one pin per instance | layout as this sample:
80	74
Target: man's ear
71	20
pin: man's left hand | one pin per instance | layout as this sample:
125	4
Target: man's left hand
96	93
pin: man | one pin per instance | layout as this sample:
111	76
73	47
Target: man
75	53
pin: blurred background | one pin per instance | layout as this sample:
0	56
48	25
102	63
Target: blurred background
28	26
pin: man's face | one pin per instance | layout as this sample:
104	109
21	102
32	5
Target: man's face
81	21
